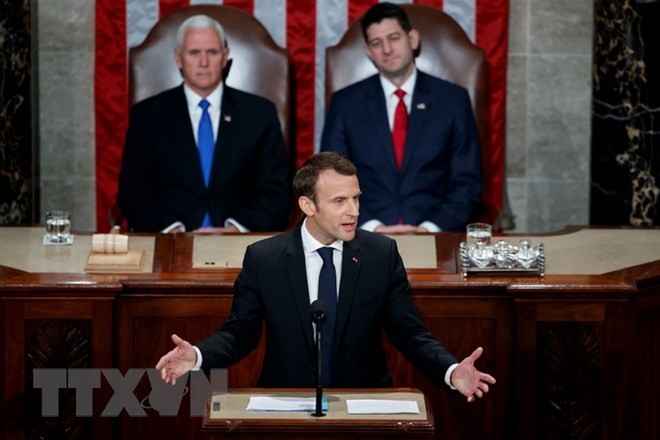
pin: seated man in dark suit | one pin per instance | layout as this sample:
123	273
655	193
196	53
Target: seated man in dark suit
367	292
204	156
417	155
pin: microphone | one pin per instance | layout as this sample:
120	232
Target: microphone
319	312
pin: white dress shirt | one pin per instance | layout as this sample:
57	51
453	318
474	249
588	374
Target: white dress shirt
313	261
195	111
392	101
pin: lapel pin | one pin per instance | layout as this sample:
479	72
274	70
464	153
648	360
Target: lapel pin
227	118
421	106
355	260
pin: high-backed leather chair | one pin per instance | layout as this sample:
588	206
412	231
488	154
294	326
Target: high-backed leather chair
445	52
257	64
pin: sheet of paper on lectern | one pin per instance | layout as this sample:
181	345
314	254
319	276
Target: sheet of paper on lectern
381	406
263	403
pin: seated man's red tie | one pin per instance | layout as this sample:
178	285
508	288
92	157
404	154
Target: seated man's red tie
400	128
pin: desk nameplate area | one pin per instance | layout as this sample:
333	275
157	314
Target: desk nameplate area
217	252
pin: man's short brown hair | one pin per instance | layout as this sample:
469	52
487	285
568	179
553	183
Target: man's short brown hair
304	183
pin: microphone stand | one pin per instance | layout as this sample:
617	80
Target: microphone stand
319	375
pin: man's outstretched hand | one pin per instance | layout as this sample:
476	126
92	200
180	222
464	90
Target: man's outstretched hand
468	380
178	361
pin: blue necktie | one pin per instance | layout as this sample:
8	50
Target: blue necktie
328	293
206	145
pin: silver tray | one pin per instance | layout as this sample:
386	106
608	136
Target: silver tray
503	257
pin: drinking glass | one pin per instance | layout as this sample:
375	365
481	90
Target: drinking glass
479	233
58	227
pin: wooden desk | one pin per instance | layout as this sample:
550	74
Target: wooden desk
574	353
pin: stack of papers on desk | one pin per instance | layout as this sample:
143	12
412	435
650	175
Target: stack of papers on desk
285	404
381	406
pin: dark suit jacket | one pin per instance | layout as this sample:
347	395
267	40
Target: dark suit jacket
161	178
440	179
373	295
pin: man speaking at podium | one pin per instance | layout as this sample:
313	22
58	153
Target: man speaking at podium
284	274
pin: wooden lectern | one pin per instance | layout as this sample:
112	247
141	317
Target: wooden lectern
232	419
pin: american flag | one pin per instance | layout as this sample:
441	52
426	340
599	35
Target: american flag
124	24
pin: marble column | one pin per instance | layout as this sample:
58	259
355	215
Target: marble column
625	169
16	148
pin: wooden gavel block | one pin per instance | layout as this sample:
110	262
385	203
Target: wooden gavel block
109	243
